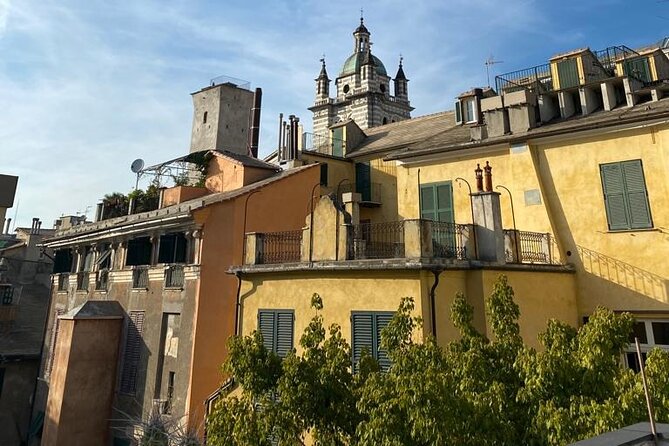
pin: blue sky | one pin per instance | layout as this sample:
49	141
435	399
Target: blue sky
87	86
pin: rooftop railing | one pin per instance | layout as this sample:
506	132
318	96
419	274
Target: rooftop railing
378	240
531	247
448	240
323	144
537	79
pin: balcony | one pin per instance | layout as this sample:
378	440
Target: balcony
140	277
63	281
82	281
174	276
527	247
275	247
102	280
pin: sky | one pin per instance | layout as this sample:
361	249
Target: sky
88	86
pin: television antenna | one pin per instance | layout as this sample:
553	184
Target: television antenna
136	168
490	61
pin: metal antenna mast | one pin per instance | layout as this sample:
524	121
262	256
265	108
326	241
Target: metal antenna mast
488	63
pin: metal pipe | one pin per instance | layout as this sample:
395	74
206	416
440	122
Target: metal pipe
471	208
513	216
278	149
649	403
238	275
311	221
433	304
255	122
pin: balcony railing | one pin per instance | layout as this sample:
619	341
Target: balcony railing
174	276
102	280
378	240
82	281
530	247
537	79
325	145
448	240
280	247
140	277
63	281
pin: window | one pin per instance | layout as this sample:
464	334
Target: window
139	252
62	262
469	108
458	112
366	327
338	141
363	184
276	327
625	195
104	258
131	353
324	174
651	334
436	202
172	248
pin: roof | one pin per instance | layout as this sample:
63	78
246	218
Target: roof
245	160
356	60
453	139
636	434
400	73
173	213
400	134
96	309
361	28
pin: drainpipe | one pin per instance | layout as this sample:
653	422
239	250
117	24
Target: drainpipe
433	305
238	275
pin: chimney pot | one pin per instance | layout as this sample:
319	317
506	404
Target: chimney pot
488	177
479	178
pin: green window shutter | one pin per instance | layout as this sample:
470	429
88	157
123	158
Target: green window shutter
614	196
427	202
284	333
266	326
380	322
338	141
458	112
363	178
568	73
276	327
637	196
362	327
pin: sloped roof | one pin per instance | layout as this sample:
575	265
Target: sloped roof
175	212
245	160
398	135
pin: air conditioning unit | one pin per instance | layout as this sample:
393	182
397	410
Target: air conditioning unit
161	407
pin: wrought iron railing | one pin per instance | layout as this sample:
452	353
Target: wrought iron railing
537	79
63	281
378	240
531	247
448	240
82	281
323	144
140	277
280	247
6	294
608	56
101	280
174	276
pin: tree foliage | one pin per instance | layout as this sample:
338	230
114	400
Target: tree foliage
481	389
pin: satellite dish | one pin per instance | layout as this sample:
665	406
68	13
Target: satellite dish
137	165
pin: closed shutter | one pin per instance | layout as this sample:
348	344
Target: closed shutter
568	73
366	330
362	327
55	329
614	196
338	141
436	202
637	196
131	354
625	195
363	181
276	327
382	320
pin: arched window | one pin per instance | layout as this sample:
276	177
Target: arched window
385	121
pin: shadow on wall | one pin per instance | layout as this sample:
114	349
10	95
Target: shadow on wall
624	274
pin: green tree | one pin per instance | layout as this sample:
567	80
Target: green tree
476	390
114	205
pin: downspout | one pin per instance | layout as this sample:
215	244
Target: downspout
433	304
238	275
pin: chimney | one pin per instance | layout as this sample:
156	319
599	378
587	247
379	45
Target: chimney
487	216
33	228
279	148
99	209
255	122
39	226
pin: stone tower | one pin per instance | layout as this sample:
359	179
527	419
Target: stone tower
363	90
221	116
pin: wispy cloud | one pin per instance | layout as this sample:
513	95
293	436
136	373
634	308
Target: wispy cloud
88	86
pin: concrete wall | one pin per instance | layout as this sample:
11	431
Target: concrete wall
228	109
80	402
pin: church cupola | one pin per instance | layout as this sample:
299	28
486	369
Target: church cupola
401	80
361	35
322	83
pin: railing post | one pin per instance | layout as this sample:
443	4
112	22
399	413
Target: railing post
253	253
417	241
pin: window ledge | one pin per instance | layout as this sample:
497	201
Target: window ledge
623	231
